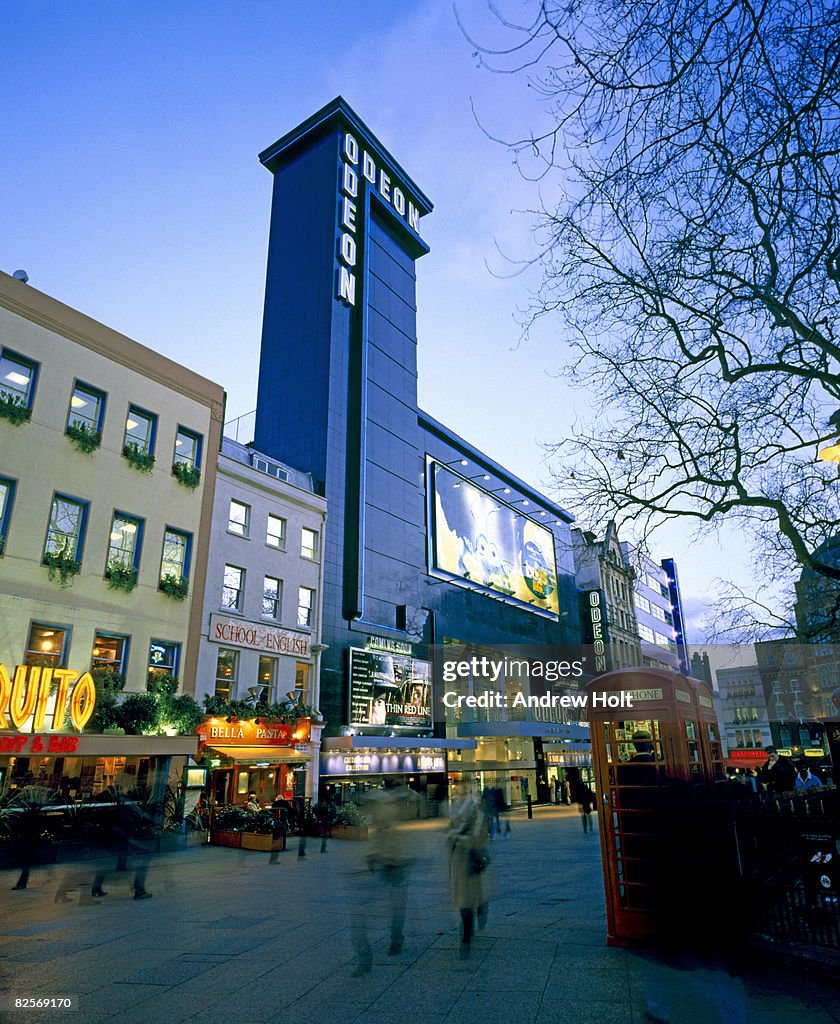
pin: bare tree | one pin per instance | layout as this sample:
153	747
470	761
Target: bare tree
691	249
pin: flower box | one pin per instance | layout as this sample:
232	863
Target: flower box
350	832
223	837
262	841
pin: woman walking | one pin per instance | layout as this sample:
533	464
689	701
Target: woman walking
468	863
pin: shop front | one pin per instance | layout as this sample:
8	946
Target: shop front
569	763
352	766
43	714
520	758
81	766
272	759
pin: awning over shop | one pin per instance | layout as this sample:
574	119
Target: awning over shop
568	731
747	760
95	745
369	742
259	755
491	766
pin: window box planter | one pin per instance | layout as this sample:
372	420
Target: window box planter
226	837
187	475
121	576
85	439
263	841
357	832
14	409
174	586
138	458
62	567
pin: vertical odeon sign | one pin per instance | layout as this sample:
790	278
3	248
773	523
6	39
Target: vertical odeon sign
595	627
358	166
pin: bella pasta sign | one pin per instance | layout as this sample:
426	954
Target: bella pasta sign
47	696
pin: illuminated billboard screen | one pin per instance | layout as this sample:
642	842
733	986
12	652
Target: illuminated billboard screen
391	690
489	544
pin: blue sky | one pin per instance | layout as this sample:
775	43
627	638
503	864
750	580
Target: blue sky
131	190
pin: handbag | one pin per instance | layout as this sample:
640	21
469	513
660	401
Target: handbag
477	860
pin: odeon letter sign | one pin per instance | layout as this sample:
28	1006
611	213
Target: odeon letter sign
358	166
27	694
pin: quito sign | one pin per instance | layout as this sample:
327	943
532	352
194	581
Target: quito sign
29	694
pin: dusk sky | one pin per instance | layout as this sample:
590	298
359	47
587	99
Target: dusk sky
132	192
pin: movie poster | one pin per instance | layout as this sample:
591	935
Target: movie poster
487	543
389	690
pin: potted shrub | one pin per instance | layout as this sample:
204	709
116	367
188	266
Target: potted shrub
261	832
176	587
86	439
226	827
121	575
62	565
138	457
14	409
186	474
349	823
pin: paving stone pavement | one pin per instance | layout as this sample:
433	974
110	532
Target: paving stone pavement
230	937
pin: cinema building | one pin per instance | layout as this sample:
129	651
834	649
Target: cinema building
107	471
429	541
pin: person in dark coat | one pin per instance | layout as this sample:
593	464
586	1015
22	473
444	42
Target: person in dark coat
587	802
779	773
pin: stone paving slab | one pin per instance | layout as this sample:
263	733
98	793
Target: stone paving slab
229	938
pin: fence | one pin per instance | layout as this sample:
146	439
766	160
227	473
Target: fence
789	856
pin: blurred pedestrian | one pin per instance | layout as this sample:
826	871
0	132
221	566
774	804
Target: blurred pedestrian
469	860
586	800
387	859
567	793
490	806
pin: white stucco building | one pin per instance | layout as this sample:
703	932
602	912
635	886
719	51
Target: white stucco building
260	629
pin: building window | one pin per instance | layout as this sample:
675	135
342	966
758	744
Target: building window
302	681
110	652
239	518
828	677
227	666
7	497
124	543
642	603
266	679
275	534
47	645
233	590
140	430
306	606
789	658
646	633
658	613
66	529
17	378
272	597
187	448
87	408
308	543
175	560
164	658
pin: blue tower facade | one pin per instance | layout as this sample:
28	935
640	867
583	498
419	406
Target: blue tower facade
337	397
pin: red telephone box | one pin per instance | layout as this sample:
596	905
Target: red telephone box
652	738
713	760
